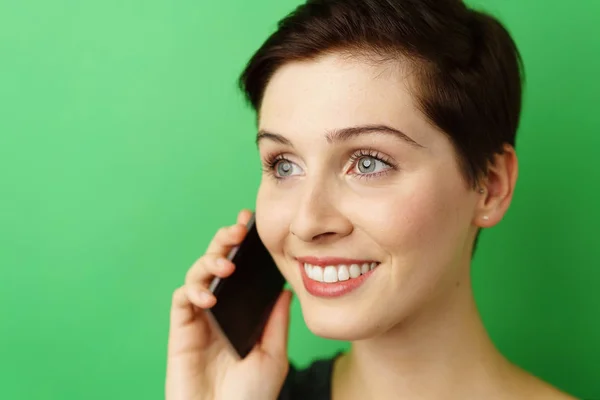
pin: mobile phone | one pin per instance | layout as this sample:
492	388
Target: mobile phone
246	298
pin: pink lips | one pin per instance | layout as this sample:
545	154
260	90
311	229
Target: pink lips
336	289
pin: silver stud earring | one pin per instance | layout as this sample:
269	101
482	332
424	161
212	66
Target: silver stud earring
482	191
485	218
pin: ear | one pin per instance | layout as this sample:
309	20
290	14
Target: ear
498	188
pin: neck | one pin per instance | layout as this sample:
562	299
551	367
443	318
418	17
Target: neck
443	352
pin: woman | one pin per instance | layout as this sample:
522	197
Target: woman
387	134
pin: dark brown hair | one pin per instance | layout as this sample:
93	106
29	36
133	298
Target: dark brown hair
468	69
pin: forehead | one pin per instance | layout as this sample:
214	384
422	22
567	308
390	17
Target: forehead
333	92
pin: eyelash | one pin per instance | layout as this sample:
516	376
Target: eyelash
272	160
375	155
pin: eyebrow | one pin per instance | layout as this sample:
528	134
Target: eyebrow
342	135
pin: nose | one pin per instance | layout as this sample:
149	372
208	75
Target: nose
317	216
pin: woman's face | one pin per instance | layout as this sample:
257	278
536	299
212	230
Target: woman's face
391	194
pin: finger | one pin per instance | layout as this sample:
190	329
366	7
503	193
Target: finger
207	267
199	295
184	330
226	238
182	310
275	336
244	217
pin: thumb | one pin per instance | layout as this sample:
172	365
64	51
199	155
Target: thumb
275	336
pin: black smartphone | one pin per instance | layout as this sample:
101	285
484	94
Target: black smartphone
246	298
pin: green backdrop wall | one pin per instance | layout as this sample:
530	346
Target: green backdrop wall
124	145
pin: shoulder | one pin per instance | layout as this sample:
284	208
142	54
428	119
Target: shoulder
551	393
534	388
312	382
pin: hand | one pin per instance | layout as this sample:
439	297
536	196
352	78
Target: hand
199	365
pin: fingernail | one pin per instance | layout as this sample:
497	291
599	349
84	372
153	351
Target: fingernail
204	296
221	262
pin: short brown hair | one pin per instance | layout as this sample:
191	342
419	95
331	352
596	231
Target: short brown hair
469	72
470	75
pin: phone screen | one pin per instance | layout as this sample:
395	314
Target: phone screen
246	298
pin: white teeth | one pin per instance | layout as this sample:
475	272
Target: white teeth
316	273
365	268
343	274
354	271
332	273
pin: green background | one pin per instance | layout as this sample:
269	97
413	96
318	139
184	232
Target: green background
124	145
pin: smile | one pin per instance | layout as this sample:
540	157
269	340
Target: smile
333	277
337	273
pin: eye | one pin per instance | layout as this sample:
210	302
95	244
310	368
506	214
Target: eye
284	168
370	165
279	167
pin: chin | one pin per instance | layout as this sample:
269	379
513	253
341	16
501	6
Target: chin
339	322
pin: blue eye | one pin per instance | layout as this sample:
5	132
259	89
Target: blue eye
284	168
365	164
368	165
280	167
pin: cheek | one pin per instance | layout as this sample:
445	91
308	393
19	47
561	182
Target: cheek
416	221
272	218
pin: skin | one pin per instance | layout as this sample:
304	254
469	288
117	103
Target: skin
414	325
199	365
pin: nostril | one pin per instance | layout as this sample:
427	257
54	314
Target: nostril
323	236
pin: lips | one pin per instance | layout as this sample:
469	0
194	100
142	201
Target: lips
334	276
324	261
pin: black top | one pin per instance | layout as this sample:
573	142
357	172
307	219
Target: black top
312	382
